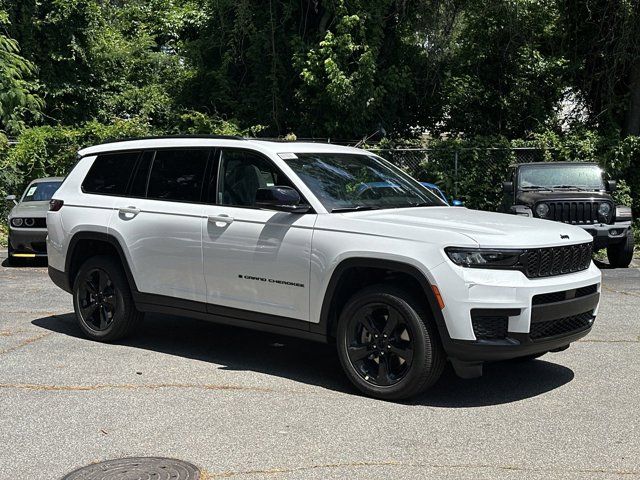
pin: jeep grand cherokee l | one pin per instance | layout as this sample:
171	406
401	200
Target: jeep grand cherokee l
282	237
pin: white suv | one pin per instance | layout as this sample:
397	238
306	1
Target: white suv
317	241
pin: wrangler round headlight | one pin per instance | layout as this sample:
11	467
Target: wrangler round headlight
604	209
484	258
16	222
542	210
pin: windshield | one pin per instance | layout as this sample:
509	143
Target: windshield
561	176
41	191
344	182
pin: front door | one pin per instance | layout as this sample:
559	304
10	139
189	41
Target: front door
255	259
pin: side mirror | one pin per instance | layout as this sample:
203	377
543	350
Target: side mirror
611	185
11	198
281	198
457	203
507	187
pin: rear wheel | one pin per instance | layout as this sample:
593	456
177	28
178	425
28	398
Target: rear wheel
387	344
621	254
102	300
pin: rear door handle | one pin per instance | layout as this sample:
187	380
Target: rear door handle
129	210
222	218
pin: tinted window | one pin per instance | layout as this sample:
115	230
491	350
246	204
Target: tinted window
177	175
41	191
242	174
141	175
110	173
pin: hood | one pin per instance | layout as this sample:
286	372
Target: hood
487	229
531	197
30	209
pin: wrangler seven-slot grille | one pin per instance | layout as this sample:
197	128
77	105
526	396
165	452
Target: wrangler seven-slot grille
576	212
545	262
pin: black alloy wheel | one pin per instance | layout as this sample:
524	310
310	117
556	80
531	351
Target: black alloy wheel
97	299
388	343
379	344
102	299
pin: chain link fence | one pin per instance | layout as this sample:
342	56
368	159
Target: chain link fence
472	175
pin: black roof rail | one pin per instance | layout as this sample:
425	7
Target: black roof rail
161	137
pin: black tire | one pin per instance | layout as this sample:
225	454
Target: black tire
102	300
415	358
621	254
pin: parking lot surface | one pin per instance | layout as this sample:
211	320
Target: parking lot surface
248	405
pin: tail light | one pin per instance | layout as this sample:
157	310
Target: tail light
55	205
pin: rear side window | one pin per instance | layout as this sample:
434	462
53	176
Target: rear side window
110	173
177	175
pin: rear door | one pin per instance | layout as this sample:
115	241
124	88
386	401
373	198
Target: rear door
254	259
160	222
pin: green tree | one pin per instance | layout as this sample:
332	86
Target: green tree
18	100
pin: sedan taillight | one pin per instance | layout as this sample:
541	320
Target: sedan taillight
55	205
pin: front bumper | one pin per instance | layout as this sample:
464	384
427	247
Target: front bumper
564	310
605	235
28	241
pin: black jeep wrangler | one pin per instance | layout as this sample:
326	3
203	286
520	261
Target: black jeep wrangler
577	194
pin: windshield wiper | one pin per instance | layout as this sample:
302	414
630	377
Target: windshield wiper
570	186
355	208
535	187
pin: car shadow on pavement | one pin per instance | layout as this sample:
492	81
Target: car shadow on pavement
238	349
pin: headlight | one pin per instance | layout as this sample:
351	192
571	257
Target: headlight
29	222
484	258
16	222
604	209
542	210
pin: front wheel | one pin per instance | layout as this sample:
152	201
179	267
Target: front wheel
621	254
388	345
102	300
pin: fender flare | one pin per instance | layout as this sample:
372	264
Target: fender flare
98	237
325	325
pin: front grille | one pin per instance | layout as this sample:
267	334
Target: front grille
554	297
561	326
576	212
546	262
489	327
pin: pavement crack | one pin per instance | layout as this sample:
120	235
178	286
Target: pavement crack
612	290
25	342
394	463
129	386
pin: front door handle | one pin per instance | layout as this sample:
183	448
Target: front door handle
129	210
222	218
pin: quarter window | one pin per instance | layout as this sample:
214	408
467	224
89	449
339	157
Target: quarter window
110	173
177	175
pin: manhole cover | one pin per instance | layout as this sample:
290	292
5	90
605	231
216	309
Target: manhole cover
141	468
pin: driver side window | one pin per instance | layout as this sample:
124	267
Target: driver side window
242	173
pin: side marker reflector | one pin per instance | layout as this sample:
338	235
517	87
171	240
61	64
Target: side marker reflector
436	292
24	255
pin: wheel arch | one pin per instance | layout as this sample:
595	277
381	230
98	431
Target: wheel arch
336	294
84	245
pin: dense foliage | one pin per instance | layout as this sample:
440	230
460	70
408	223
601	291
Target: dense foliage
560	74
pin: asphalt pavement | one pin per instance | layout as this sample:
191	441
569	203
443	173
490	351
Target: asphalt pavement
249	405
